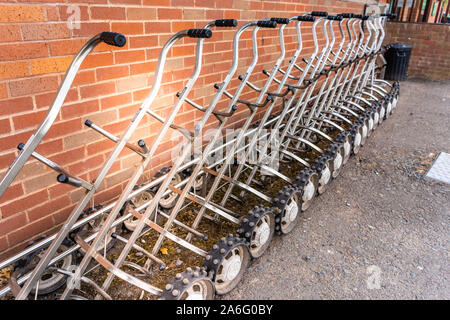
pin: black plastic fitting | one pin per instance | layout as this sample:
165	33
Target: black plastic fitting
113	38
20	146
266	24
199	33
335	18
347	15
88	123
226	23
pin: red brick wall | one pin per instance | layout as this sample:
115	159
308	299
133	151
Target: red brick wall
430	56
36	47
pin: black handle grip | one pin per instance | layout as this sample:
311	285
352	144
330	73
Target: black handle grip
88	123
199	33
357	16
113	38
319	13
335	18
365	17
266	24
20	146
347	15
280	20
226	23
392	16
306	18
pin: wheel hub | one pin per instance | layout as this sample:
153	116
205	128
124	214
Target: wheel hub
376	118
262	233
389	108
358	139
370	124
195	295
337	163
231	267
308	191
364	131
291	212
347	148
325	176
382	112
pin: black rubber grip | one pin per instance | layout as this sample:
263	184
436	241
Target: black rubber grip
319	13
142	144
199	33
335	18
62	178
226	23
358	16
347	15
280	20
306	18
234	107
88	123
365	17
20	146
392	16
384	14
266	24
113	38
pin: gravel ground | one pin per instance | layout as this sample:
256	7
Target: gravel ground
381	231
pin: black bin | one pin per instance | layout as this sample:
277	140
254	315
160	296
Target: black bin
397	57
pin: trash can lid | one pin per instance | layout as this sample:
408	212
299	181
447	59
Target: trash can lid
400	46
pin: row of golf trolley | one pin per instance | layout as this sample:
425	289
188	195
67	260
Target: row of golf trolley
188	232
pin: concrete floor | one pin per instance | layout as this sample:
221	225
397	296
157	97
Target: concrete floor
381	231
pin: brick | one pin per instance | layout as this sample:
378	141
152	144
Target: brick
84	77
11	70
63	128
134	82
50	147
178	26
86	164
157	27
23	51
50	65
65	47
18	13
141	13
107	13
28	120
115	101
24	203
44	100
144	67
79	109
98	60
10	33
34	228
48	208
13	191
167	14
143	41
128	28
88	29
95	90
129	56
16	105
33	85
45	31
157	3
182	3
11	223
112	72
3	246
3	91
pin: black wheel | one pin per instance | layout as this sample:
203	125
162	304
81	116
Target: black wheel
227	262
190	285
287	206
169	201
135	202
307	182
258	228
337	153
323	166
50	280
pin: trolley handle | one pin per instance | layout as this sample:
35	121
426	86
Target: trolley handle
347	15
319	13
306	18
226	23
199	33
335	18
266	24
113	38
392	15
280	20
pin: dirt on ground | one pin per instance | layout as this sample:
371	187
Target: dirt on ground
381	230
